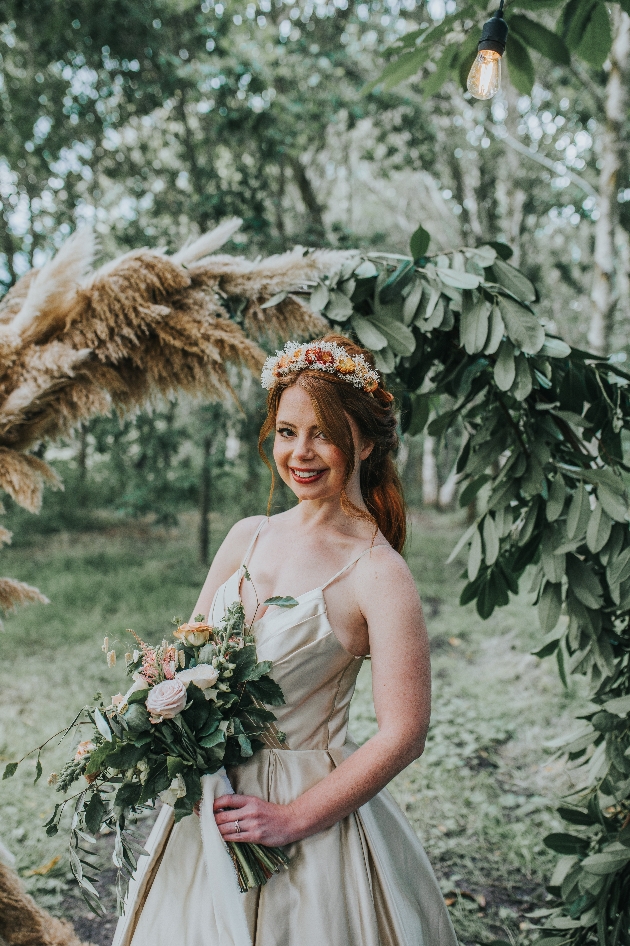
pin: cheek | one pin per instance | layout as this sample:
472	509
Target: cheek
281	451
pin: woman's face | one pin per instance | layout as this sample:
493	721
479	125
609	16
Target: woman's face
307	461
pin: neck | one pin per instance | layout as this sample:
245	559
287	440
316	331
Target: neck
316	512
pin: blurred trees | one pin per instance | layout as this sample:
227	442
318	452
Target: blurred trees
151	120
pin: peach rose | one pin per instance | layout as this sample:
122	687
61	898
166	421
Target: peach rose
167	699
83	749
196	633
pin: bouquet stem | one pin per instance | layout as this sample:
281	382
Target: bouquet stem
255	863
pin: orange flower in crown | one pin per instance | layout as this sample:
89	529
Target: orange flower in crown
321	356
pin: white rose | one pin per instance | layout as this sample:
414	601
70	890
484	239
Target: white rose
167	699
177	789
203	676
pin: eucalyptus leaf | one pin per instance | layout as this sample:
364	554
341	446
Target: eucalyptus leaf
102	725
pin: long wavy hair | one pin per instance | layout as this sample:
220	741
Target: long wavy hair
334	400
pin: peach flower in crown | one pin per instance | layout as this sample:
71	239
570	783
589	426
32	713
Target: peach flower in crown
320	356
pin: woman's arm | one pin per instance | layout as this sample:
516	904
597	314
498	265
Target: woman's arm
401	685
227	560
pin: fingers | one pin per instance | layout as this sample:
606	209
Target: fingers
230	801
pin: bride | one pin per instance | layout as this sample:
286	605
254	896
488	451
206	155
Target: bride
358	875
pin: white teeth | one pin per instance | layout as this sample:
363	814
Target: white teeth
304	475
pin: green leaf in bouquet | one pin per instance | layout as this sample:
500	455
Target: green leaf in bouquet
157	781
246	746
175	765
98	758
138	696
9	770
128	795
125	755
102	725
282	601
137	718
95	812
267	691
212	739
192	779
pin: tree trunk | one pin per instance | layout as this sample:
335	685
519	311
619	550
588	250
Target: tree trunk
430	485
603	291
204	502
309	197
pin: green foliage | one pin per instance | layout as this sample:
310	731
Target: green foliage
542	453
583	28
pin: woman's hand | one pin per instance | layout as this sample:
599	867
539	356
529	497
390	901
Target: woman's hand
260	822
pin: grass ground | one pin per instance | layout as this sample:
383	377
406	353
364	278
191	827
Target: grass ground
481	797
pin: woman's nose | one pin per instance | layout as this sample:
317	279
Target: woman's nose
303	448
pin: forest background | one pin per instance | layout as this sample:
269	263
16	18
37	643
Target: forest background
149	121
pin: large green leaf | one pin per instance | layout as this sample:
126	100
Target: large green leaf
557	494
538	37
496	331
505	368
400	339
522	326
474	555
523	381
401	68
473	326
598	531
490	540
594	46
368	334
339	308
458	279
550	606
520	66
434	82
419	242
584	583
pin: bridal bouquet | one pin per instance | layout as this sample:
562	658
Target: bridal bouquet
194	706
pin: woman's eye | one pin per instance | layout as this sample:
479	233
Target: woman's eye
322	435
285	431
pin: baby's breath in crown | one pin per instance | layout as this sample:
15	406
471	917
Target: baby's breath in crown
320	356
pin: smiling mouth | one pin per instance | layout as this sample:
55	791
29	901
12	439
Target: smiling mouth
306	476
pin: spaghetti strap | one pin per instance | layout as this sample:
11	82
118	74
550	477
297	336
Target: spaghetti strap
250	547
349	565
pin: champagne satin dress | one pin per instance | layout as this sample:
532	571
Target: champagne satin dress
365	881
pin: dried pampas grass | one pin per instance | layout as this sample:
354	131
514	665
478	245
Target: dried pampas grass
77	342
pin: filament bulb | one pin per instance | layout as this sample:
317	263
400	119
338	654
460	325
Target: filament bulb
484	78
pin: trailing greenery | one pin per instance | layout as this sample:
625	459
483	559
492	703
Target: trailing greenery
542	456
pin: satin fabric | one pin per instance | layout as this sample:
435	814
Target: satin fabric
365	881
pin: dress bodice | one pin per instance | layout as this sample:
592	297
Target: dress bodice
316	673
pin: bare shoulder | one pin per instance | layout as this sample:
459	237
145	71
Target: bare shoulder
383	575
383	562
238	538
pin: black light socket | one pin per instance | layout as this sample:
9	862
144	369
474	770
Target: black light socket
494	34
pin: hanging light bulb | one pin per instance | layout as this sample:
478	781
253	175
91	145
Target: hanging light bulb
484	78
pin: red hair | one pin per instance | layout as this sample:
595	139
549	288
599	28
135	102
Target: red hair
334	400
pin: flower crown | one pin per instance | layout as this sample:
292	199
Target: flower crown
320	356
